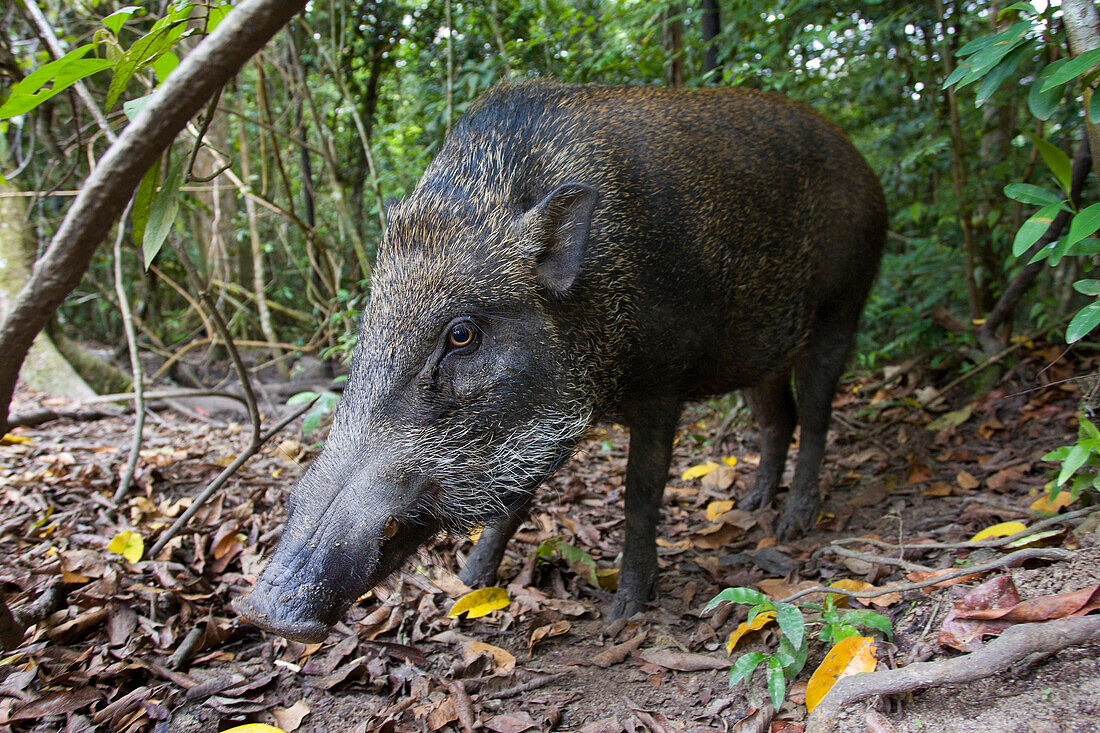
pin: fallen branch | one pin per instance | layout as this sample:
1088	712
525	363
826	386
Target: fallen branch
43	415
998	542
1016	644
1047	553
13	624
135	366
532	684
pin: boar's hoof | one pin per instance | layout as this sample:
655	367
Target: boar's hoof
796	519
626	606
757	498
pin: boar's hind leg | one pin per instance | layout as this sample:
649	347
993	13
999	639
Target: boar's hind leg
816	375
484	559
651	432
773	407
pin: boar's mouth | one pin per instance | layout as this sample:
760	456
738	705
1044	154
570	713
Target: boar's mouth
312	580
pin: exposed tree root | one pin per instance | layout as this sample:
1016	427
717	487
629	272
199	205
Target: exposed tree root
1014	645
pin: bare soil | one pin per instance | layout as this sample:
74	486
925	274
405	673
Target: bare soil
103	659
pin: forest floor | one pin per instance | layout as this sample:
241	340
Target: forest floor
549	660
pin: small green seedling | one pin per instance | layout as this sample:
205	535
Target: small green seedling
788	659
1080	461
836	626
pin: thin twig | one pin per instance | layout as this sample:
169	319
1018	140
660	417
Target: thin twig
222	477
880	559
135	364
163	394
1048	553
999	542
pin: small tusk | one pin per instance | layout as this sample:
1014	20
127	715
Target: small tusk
390	529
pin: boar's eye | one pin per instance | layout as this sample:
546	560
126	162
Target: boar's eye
461	335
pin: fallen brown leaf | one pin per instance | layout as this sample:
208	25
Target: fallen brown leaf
683	661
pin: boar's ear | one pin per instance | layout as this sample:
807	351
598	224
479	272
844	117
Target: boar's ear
557	227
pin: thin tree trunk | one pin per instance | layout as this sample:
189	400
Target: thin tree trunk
958	169
674	46
494	22
1083	28
258	271
711	27
450	66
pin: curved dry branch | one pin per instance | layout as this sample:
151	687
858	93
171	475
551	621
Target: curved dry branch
109	187
1014	645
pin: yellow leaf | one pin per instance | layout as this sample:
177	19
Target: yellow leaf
609	578
255	728
1045	504
847	584
716	509
10	439
729	460
504	662
758	623
699	471
475	534
1004	529
480	602
854	655
128	544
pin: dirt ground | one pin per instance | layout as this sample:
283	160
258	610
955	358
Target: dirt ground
110	656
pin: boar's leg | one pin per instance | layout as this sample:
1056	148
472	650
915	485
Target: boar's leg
484	559
816	375
773	407
651	435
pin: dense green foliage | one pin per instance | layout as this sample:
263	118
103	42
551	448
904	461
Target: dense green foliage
346	107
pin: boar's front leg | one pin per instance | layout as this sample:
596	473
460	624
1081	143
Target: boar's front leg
484	559
651	432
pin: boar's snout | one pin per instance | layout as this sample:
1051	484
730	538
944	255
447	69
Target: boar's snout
326	559
311	580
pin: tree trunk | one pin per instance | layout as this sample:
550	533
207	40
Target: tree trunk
45	369
674	46
1083	28
711	26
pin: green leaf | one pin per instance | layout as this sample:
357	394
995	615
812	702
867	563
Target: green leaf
1072	69
871	620
998	74
302	398
1023	7
744	666
164	34
1082	324
1088	428
131	108
1094	108
986	55
1057	454
1087	287
790	622
1042	103
797	656
1056	160
1078	454
143	199
736	595
777	683
1084	223
1026	193
162	213
32	91
1034	228
115	20
165	65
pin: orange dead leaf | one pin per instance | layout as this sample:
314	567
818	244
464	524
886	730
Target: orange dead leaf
504	662
1060	501
545	632
758	623
967	481
853	655
717	508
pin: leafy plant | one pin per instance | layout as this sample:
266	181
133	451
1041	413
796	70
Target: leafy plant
782	665
1080	461
789	658
322	408
836	625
